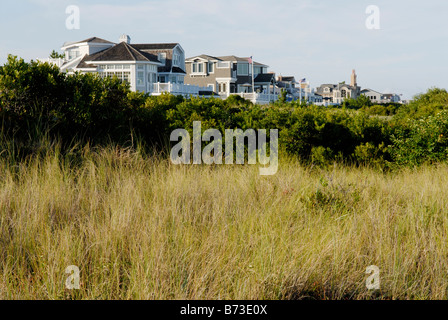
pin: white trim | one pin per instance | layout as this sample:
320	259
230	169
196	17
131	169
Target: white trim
191	60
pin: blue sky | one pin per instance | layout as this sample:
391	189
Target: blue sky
321	40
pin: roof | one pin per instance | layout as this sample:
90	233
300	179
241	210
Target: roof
205	57
154	46
178	70
367	90
89	40
238	59
264	77
121	52
286	79
226	58
84	65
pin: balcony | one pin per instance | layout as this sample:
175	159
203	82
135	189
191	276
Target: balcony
178	89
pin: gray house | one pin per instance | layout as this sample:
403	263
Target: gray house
228	75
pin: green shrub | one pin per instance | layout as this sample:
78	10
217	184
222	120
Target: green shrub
421	141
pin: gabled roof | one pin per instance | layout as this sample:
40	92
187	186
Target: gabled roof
205	57
121	52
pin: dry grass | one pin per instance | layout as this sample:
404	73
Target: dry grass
141	228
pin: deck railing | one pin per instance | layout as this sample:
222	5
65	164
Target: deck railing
178	89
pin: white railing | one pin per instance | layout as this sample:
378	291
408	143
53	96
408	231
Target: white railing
177	89
260	98
57	62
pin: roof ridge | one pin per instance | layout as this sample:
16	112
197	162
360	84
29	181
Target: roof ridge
127	48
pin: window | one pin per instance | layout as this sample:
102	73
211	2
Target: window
123	76
176	60
152	77
198	67
258	70
211	67
126	76
140	78
243	69
72	54
223	65
222	88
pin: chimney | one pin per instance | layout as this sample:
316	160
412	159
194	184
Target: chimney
353	79
125	38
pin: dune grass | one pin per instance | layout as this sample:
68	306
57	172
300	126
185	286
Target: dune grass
139	227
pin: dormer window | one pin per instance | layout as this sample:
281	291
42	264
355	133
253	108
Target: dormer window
326	89
72	54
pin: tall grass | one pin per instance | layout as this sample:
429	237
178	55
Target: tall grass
139	227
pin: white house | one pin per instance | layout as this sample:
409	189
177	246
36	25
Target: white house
374	96
149	68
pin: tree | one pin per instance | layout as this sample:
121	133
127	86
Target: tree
55	55
282	98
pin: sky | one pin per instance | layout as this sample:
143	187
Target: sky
320	40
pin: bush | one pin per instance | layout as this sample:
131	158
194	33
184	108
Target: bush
422	141
37	98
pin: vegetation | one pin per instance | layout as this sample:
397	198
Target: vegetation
141	228
56	55
85	181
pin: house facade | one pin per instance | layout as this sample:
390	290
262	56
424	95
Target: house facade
149	68
336	93
228	75
374	96
377	97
